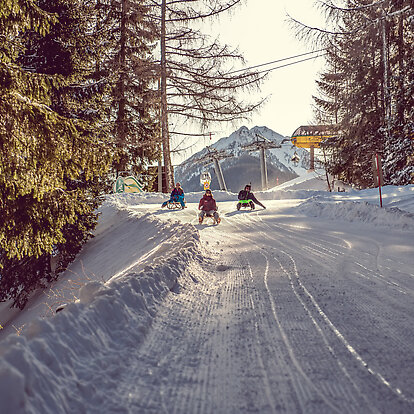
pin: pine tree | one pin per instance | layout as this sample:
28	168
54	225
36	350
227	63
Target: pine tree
364	88
52	154
127	35
399	153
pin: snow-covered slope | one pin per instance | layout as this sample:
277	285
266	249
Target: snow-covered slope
262	313
244	167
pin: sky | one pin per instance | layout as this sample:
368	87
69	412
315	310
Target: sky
260	30
165	315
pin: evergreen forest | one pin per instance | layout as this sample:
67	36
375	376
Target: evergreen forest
83	99
366	92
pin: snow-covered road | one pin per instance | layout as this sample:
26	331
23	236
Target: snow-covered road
287	315
273	311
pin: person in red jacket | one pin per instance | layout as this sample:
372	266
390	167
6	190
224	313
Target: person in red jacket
208	207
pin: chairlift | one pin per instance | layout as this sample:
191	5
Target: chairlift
295	159
205	177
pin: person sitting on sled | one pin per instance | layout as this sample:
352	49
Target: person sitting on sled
208	207
246	196
177	195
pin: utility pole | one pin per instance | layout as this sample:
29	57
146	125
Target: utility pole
263	168
213	155
219	173
262	144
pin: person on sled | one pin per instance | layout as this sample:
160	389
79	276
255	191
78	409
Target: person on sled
177	195
208	207
247	197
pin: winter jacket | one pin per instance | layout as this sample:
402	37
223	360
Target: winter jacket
248	195
207	203
177	192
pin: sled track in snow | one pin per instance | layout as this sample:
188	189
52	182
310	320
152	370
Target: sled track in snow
307	389
307	382
262	326
340	336
308	297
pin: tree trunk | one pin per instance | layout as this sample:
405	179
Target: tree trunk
121	130
401	72
164	115
387	100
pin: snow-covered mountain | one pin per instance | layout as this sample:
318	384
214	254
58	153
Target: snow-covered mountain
244	167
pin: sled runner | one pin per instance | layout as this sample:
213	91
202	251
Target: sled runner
211	219
174	205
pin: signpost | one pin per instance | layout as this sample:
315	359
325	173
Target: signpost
311	136
205	180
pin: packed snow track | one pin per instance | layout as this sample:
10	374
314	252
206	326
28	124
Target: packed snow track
284	315
271	311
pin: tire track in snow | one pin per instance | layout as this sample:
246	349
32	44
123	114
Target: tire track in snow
337	360
335	254
371	275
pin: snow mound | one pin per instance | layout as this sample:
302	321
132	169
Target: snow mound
355	211
62	353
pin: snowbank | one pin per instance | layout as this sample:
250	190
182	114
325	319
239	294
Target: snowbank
62	353
354	211
138	260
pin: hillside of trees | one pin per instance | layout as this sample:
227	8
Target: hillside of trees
367	89
86	92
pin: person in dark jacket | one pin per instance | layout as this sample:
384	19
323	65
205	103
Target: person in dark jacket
176	195
208	207
246	195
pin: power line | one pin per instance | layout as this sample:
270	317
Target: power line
276	61
292	63
271	62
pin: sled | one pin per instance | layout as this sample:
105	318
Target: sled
174	205
211	219
245	204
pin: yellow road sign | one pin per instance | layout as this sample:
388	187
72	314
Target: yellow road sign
307	136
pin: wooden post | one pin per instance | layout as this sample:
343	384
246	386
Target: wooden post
312	158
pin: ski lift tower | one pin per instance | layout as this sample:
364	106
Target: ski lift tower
261	144
213	156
